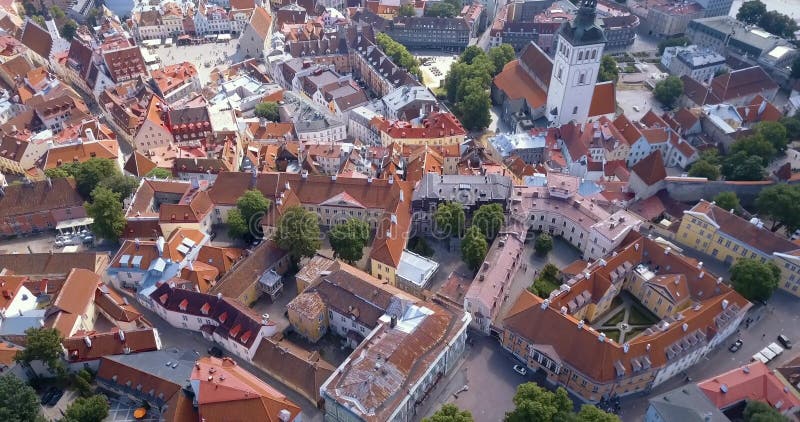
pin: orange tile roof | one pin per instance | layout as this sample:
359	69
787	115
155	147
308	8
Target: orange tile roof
7	353
116	342
224	388
650	169
73	300
435	125
604	99
173	76
543	324
9	287
754	381
515	82
81	152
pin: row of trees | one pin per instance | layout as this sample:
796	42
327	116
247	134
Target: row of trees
487	221
754	12
468	81
443	9
399	54
533	403
750	154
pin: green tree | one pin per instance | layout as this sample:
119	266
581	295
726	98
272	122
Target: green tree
781	204
672	42
39	19
250	207
773	132
57	13
741	166
57	172
543	244
18	401
703	168
470	54
608	69
91	17
406	10
590	413
751	12
82	383
398	53
42	344
668	91
298	232
91	172
106	210
779	24
755	280
546	282
440	10
125	186
727	201
349	238
159	173
534	403
473	248
500	56
268	110
68	29
450	413
473	110
759	411
87	409
792	125
489	218
449	218
712	156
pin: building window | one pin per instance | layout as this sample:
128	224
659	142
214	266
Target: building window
575	110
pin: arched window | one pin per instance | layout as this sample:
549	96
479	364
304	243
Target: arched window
575	110
594	54
582	79
580	55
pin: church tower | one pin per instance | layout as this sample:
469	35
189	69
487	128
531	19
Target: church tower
579	49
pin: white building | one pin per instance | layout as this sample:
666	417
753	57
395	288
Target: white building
579	49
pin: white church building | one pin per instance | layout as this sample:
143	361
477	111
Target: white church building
560	89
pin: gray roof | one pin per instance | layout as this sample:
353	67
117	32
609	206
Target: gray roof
16	325
405	95
307	116
696	57
506	143
467	190
750	35
416	269
155	363
686	404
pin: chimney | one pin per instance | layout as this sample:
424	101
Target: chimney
88	341
219	296
89	135
626	347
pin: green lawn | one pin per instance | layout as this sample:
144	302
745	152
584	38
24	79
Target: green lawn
616	319
633	333
640	316
612	334
544	286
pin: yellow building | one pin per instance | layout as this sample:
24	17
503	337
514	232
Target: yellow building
308	316
728	237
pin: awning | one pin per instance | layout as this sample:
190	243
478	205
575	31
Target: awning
75	222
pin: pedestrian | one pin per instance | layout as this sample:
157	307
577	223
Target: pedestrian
763	336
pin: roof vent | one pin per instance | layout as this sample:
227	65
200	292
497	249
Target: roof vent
563	310
626	347
601	338
723	388
546	303
724	303
685	327
746	369
667	250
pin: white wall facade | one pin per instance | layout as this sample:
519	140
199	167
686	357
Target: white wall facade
572	82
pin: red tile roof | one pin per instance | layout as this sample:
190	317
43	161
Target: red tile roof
116	342
754	381
651	169
125	63
604	99
515	82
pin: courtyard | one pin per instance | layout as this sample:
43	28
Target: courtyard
204	57
434	66
625	320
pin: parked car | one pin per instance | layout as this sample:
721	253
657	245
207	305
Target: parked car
215	351
736	346
520	370
782	339
47	396
55	397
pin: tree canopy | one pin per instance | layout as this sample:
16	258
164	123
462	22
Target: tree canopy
534	403
68	29
741	166
268	110
473	248
43	344
755	280
89	173
125	186
18	401
406	10
777	23
703	168
443	9
543	244
500	56
87	409
349	238
792	125
449	218
244	221
781	204
298	232
450	413
467	86
759	411
489	218
727	201
668	91
159	173
795	73
398	53
608	69
751	12
773	132
106	210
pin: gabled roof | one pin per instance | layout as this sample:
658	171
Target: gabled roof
650	169
742	82
80	152
139	164
115	342
754	381
37	39
343	199
73	300
24	199
604	99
